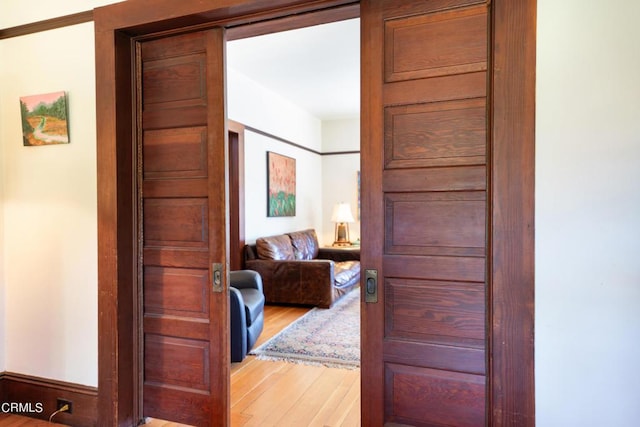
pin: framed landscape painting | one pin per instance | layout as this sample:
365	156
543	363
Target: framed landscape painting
281	183
44	119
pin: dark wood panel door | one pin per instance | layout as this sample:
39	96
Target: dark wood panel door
182	200
426	211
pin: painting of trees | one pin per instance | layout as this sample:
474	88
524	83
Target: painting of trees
44	119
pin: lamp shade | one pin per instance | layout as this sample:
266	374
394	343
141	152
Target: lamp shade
342	213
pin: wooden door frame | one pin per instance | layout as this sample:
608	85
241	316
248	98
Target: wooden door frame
511	258
236	194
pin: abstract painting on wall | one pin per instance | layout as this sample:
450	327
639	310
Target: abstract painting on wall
44	119
281	182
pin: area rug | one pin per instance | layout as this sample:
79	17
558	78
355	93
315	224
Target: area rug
323	336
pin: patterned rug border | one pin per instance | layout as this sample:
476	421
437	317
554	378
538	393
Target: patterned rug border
262	353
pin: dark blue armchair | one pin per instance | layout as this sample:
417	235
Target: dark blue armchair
246	311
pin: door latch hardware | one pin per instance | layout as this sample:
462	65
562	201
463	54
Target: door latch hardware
371	286
216	273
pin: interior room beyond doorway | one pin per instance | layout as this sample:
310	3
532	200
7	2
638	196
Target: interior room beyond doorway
297	94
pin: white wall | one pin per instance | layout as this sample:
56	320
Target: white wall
49	207
262	109
588	214
308	189
340	174
256	106
45	239
19	12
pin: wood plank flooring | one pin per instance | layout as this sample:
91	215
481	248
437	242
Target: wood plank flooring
11	420
266	393
285	394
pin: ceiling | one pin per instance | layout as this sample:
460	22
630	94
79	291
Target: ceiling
317	68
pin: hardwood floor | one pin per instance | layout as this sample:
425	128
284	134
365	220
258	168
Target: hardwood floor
265	393
285	394
11	420
276	318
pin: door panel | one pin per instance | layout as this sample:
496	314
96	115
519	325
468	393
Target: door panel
172	153
435	223
431	331
437	312
431	44
185	350
176	292
435	134
431	397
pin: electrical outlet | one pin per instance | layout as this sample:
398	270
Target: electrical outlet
62	402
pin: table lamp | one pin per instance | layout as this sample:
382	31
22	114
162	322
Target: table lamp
342	216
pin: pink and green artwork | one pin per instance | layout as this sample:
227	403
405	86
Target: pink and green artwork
44	119
281	181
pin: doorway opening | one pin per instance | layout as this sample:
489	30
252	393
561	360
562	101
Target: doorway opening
296	93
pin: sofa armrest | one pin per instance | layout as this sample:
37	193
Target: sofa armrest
308	282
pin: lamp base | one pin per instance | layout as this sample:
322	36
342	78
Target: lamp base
342	235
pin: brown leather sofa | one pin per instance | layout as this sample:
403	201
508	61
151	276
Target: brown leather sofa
295	270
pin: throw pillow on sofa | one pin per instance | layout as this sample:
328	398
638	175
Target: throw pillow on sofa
275	248
305	244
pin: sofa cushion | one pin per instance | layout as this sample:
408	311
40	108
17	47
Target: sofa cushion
345	272
305	244
275	248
